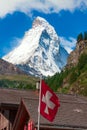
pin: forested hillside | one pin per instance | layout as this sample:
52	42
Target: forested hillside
73	78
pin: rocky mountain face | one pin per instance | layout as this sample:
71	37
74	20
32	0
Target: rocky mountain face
73	79
8	68
74	55
40	51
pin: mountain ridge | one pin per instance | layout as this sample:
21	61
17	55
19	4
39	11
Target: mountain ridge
12	76
8	68
39	51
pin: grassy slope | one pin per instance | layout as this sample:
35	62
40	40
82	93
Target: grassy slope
80	85
18	81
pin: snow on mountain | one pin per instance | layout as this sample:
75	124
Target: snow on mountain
40	51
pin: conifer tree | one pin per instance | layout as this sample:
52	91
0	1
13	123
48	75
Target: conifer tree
85	35
80	37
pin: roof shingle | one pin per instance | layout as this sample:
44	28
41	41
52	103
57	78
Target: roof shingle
72	112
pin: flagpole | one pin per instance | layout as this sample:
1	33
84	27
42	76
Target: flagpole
39	103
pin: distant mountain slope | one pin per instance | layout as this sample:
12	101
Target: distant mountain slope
40	51
12	77
8	68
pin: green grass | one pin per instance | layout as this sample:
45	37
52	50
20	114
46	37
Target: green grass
18	81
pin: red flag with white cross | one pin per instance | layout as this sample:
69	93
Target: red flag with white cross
49	102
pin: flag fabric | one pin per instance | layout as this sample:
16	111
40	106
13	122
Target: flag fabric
25	127
29	126
49	102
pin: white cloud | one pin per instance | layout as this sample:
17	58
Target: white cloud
69	44
46	6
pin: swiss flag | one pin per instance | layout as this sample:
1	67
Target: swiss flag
49	102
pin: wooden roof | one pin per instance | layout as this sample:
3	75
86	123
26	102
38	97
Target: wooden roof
71	114
14	96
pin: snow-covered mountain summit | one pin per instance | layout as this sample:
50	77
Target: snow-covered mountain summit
40	51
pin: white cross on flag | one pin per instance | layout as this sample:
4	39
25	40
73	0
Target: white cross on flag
49	102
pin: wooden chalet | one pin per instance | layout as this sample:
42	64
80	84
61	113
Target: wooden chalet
18	107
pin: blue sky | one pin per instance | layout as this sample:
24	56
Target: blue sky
69	18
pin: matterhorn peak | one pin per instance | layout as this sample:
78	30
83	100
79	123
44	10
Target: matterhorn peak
39	51
39	21
42	23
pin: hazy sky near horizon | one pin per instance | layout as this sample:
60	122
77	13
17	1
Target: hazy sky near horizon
68	17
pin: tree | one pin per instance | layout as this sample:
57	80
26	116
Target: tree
85	35
82	61
73	77
80	37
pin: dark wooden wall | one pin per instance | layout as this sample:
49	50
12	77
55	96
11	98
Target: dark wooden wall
6	119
